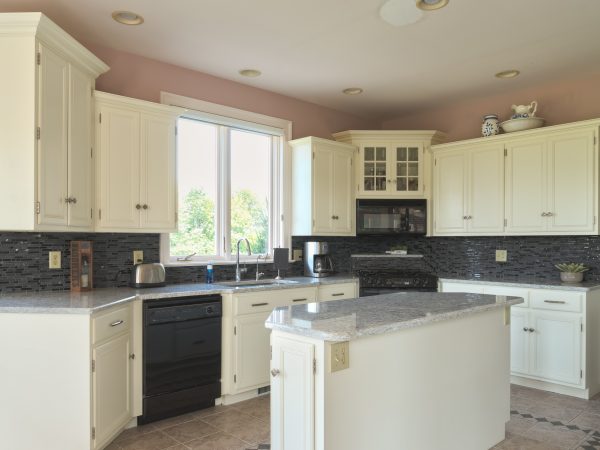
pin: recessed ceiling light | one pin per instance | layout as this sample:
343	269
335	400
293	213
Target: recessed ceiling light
252	73
352	91
430	5
127	18
400	12
508	74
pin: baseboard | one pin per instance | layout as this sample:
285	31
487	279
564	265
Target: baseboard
551	387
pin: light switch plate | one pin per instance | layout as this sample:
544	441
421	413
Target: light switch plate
138	256
340	356
501	255
297	254
54	260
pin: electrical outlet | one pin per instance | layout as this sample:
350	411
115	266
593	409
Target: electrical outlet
297	254
54	260
501	255
340	356
138	256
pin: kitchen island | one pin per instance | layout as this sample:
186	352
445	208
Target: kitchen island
404	371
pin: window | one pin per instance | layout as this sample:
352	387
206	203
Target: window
229	187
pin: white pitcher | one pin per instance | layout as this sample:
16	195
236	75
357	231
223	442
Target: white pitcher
524	110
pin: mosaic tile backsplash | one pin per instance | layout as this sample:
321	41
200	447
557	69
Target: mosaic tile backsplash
24	257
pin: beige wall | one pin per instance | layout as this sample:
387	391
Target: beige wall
565	101
143	78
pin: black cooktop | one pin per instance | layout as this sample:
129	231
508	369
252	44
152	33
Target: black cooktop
400	279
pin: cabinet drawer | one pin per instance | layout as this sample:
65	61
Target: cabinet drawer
556	300
462	287
336	291
509	292
111	323
254	302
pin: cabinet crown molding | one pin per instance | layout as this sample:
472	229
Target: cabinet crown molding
41	27
318	140
501	138
136	104
436	137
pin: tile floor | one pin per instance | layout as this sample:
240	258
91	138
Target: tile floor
539	421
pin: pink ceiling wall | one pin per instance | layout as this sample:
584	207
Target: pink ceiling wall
565	101
143	78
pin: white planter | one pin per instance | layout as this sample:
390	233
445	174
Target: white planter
571	277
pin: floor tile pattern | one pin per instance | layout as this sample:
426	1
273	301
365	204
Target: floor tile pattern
539	420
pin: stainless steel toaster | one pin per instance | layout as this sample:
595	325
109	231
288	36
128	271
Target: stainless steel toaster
147	275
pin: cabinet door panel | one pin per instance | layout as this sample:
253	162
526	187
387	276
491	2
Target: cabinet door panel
158	172
292	421
374	169
52	146
322	190
450	189
526	186
80	143
343	204
111	388
118	168
519	341
406	169
252	351
486	190
557	346
571	182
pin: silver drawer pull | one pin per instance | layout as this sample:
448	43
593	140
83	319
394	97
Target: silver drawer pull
118	322
559	302
299	300
339	294
259	304
275	372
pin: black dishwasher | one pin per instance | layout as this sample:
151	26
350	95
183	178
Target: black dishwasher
182	355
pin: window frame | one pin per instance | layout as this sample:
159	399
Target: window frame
227	117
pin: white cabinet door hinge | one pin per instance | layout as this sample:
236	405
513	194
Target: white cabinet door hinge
282	217
99	214
91	213
38	133
505	152
234	378
314	365
505	222
271	352
91	152
581	373
582	328
38	58
100	118
235	331
93	432
93	365
37	207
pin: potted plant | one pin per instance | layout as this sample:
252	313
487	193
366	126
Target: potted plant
571	272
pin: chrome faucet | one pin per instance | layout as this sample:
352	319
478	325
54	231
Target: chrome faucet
259	274
238	271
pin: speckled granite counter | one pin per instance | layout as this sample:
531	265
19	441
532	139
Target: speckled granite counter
527	282
345	320
67	302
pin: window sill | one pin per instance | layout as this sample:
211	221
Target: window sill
217	263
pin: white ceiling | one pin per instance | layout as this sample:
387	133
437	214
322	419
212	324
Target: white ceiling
312	49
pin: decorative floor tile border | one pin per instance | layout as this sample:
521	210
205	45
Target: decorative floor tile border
261	447
592	443
556	423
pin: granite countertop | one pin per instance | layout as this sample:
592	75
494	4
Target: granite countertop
343	320
67	302
528	282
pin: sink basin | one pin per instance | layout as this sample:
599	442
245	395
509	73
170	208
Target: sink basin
251	283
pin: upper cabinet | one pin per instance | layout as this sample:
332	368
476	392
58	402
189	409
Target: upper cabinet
323	200
538	182
46	116
391	164
135	166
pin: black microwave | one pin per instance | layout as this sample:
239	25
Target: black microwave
391	216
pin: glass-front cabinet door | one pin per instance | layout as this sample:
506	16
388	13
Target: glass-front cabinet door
392	169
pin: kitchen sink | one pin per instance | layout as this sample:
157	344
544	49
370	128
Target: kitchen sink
251	283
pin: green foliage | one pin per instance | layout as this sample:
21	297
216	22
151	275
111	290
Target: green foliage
196	232
571	267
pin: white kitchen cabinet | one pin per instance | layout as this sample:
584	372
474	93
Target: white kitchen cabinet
252	351
553	338
292	394
111	373
338	291
135	170
323	201
391	163
46	151
469	190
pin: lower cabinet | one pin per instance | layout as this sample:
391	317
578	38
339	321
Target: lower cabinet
111	374
292	395
551	346
252	351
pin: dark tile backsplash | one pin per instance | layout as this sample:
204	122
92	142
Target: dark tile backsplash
24	257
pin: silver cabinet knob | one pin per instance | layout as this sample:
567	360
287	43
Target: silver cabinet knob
549	214
145	206
132	356
275	372
531	330
469	217
73	200
138	206
465	217
525	329
544	214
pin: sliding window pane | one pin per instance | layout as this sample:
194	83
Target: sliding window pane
197	181
250	189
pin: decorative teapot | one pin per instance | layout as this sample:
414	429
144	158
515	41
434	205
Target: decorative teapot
520	111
